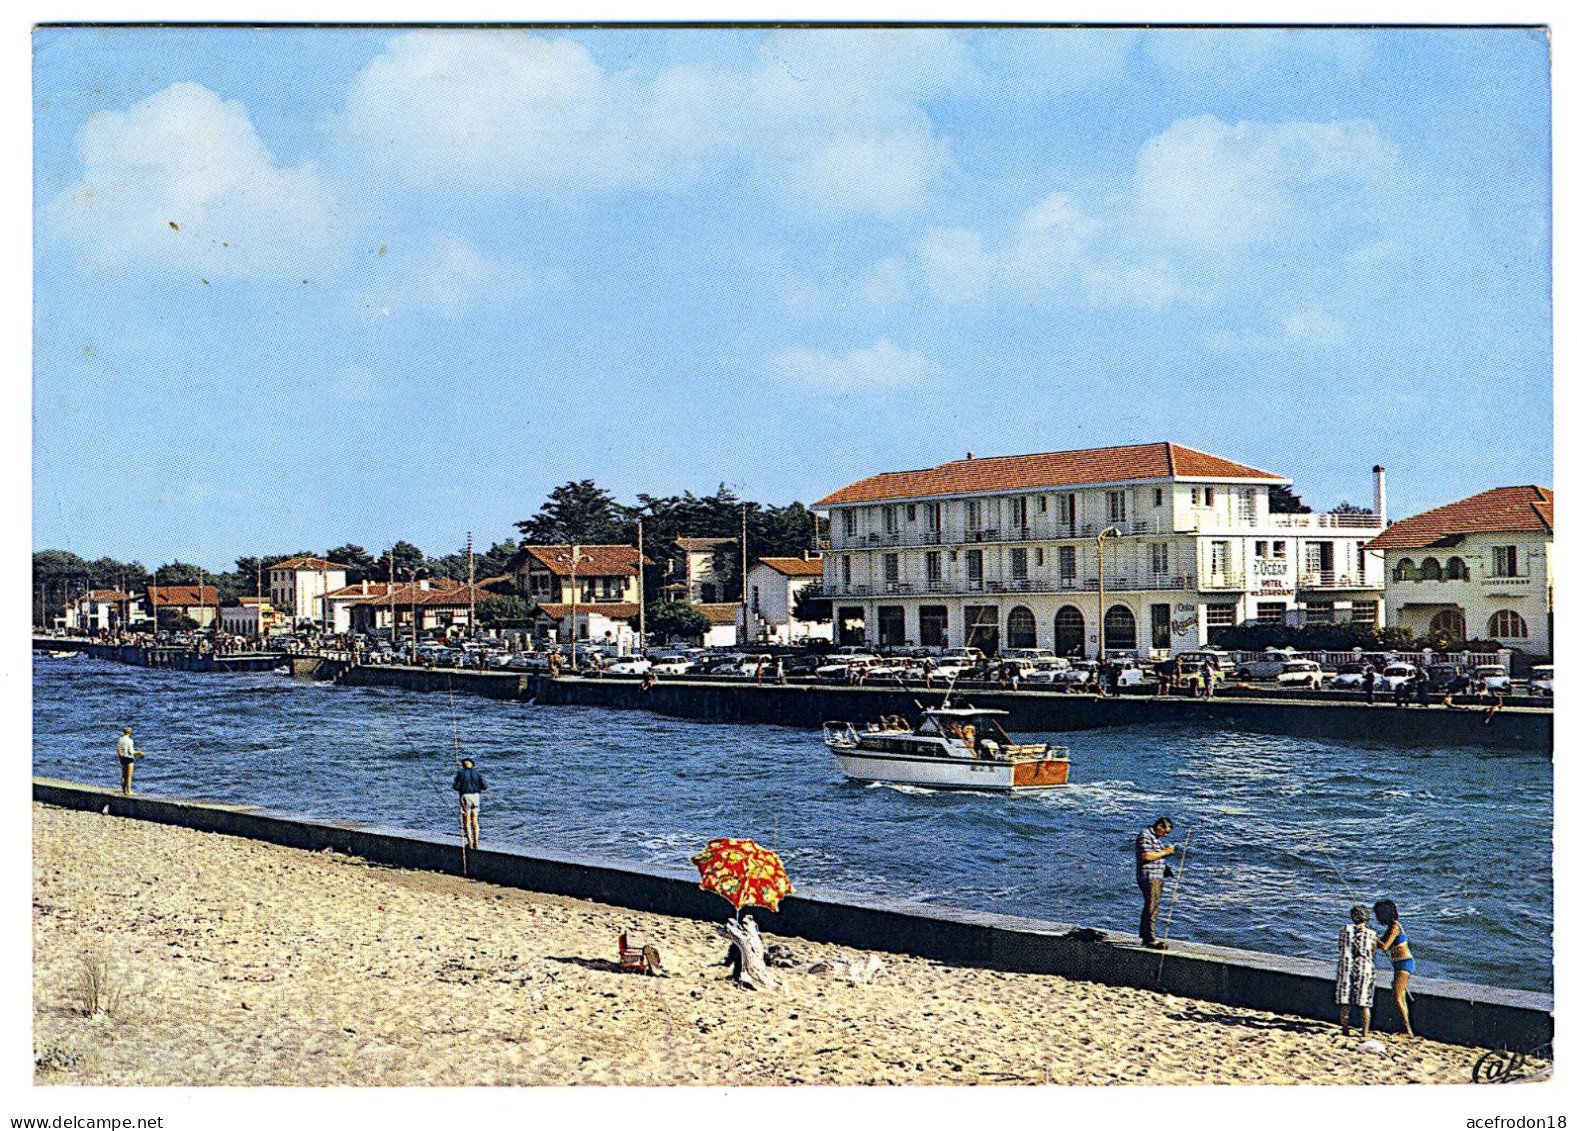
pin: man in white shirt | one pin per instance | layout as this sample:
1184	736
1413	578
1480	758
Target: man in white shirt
128	755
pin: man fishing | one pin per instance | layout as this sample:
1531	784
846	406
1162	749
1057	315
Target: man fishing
469	785
128	754
1151	872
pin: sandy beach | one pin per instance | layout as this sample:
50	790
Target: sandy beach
226	961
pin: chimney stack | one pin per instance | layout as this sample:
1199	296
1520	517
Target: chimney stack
1379	493
969	455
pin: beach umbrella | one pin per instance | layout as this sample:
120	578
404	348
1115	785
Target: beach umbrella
742	872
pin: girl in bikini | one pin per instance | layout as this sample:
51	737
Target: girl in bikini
1393	940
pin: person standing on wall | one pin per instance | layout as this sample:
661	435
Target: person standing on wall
127	753
1150	871
469	785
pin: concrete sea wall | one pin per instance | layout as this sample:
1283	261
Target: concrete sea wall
1512	728
1454	1012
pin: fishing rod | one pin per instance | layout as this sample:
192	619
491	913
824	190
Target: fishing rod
454	724
1332	865
1166	935
444	801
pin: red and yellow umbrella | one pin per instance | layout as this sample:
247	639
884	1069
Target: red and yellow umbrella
742	872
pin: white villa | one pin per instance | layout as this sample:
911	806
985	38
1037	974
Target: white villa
1157	543
297	587
774	585
104	610
1481	568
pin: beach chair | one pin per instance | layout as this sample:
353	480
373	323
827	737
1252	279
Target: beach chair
638	959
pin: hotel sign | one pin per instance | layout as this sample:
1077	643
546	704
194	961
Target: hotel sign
1271	577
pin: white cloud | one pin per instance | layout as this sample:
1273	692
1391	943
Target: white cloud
507	112
1310	328
355	383
885	285
1209	184
876	368
825	122
1253	53
955	264
182	181
440	274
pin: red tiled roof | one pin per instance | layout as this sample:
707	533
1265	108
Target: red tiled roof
701	545
723	612
441	592
613	612
306	563
103	596
1047	470
1503	510
595	560
793	567
183	596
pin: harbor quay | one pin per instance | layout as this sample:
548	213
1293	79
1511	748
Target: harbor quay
1481	1017
1315	715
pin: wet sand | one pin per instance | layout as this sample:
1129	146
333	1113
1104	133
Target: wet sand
229	961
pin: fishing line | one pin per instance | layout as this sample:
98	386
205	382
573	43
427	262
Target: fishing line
1166	936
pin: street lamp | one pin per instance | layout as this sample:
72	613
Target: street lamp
1100	582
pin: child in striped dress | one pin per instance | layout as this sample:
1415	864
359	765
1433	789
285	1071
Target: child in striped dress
1355	968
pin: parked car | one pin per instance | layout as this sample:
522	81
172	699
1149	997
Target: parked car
1219	660
1077	674
628	665
1541	680
1398	673
1348	677
1269	665
1044	670
1301	673
1494	677
1443	677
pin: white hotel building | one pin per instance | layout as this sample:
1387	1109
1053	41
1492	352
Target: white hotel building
1011	552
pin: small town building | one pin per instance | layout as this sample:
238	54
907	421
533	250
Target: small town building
598	583
199	602
104	610
703	571
253	617
1145	548
776	586
1481	568
297	586
432	604
722	624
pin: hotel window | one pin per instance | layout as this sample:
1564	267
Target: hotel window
1262	549
1246	502
910	512
849	521
1365	612
1210	496
848	569
1018	563
1158	496
1117	506
1221	616
1278	549
1271	612
1159	559
974	566
890	568
1040	555
1321	612
890	520
933	516
1041	501
1067	564
1018	511
933	567
972	514
1220	557
1505	562
1507	625
1066	512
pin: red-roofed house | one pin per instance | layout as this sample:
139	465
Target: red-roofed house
438	602
775	585
1009	552
296	588
602	580
200	602
1482	568
104	610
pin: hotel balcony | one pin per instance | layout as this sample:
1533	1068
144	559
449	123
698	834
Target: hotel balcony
1040	531
995	585
1326	521
1330	579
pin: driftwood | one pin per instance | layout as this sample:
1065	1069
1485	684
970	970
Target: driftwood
748	955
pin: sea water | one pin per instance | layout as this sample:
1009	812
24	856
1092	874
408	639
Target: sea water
1283	834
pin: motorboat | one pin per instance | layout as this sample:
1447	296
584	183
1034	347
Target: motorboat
949	748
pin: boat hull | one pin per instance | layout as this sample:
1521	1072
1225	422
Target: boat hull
952	773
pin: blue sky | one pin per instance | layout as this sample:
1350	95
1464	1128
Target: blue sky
300	287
